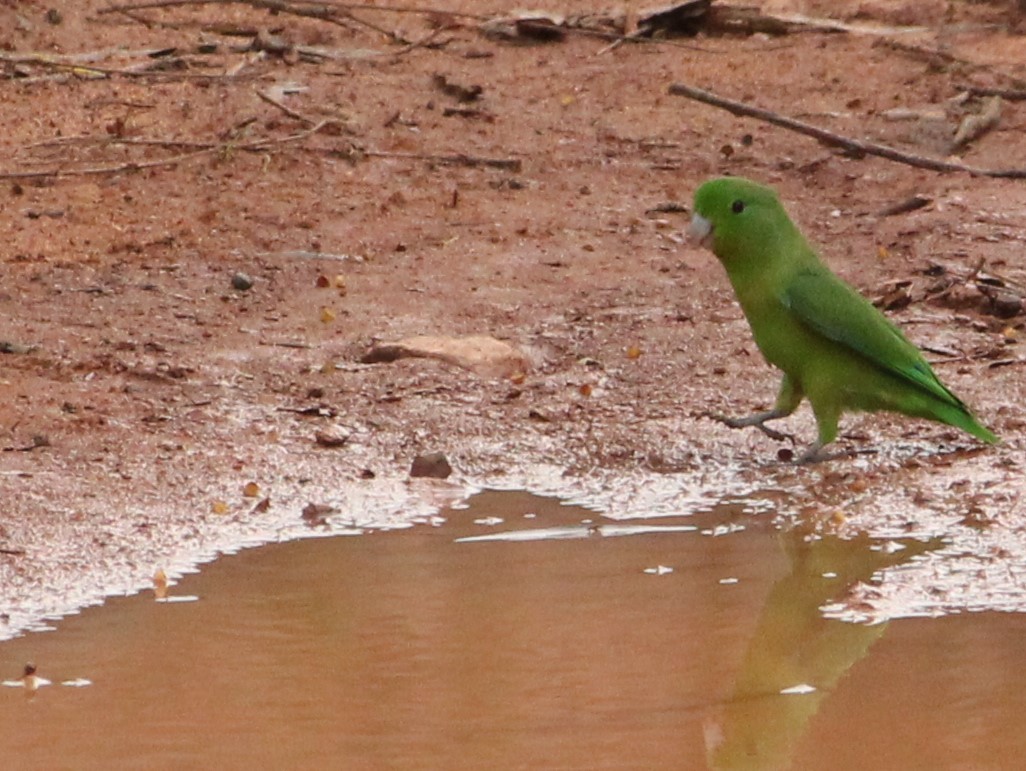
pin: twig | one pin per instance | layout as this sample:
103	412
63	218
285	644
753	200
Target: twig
855	147
404	9
932	56
289	344
101	170
341	6
287	110
814	24
462	159
165	74
424	41
108	140
197	149
38	441
256	145
302	254
938	58
916	201
77	67
82	58
320	11
1011	94
153	4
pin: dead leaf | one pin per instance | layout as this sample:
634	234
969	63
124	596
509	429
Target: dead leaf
316	514
976	125
526	27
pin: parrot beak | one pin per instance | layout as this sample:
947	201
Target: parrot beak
700	230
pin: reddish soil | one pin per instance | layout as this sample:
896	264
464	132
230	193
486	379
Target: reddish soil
145	390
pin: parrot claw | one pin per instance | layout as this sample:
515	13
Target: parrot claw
758	420
815	454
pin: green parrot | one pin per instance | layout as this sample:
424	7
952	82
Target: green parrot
833	346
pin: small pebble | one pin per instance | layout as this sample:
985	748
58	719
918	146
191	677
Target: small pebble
242	282
432	464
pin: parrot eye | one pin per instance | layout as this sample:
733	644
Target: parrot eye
738	206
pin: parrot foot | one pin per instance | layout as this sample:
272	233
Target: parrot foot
758	420
816	454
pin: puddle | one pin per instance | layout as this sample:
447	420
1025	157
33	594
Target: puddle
558	640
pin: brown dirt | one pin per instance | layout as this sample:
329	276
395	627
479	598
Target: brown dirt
154	390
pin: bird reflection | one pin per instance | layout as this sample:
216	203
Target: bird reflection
796	656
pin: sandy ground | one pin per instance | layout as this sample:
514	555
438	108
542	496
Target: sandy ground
144	389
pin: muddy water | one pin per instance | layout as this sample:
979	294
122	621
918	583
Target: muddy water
544	644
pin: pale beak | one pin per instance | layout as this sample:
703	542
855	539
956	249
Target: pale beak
700	230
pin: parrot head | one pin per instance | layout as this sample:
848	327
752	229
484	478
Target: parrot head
735	218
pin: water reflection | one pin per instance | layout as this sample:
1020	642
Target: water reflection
795	656
421	649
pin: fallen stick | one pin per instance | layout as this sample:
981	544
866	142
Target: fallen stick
85	140
100	170
254	146
409	9
462	159
332	14
855	147
285	109
303	254
197	149
83	58
91	71
1011	94
141	6
513	164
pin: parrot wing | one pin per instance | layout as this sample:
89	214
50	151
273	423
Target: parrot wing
830	307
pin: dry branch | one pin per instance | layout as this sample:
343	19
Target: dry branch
254	146
339	15
197	149
461	159
101	170
285	109
855	147
75	65
1010	94
150	4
